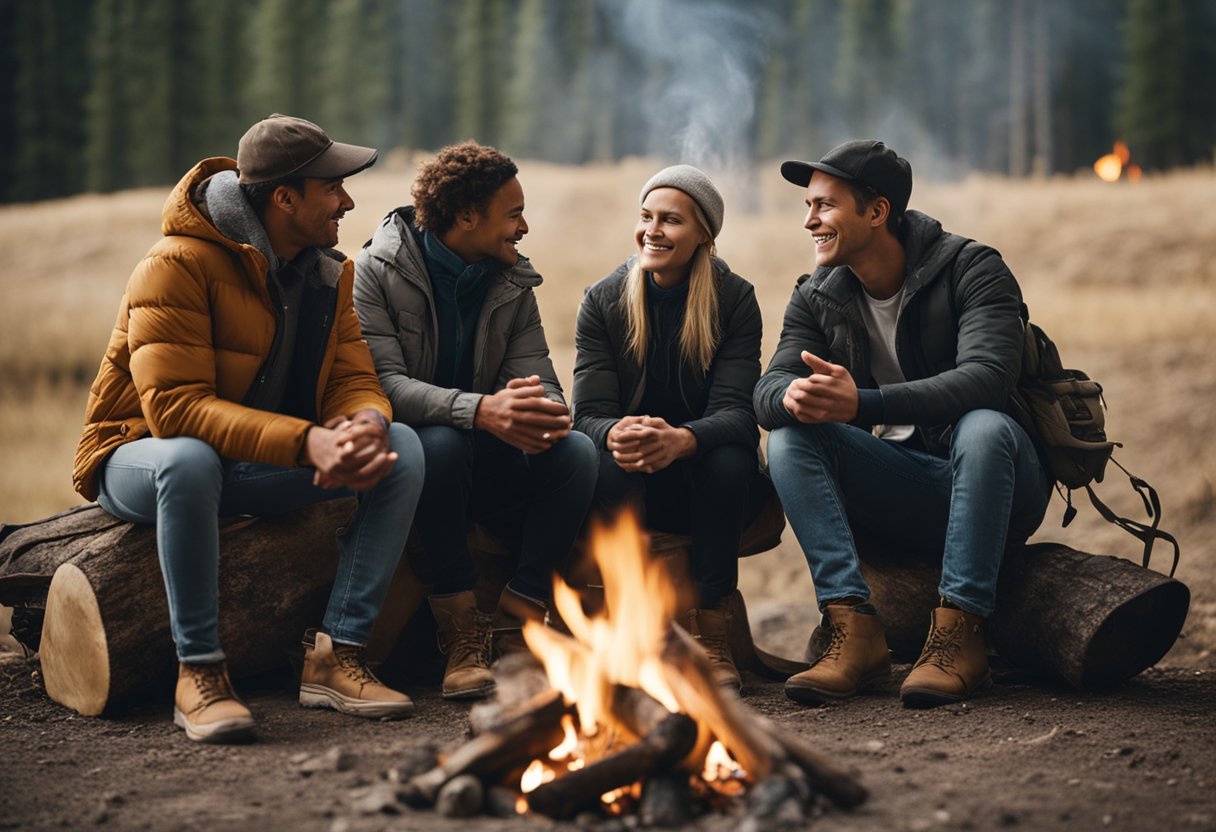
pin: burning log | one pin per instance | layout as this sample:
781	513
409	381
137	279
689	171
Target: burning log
490	755
659	748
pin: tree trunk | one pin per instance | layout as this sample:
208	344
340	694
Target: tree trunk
106	635
1091	620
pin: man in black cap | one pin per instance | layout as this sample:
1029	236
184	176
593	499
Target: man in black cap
236	381
886	400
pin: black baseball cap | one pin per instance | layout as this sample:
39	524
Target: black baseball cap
866	161
279	146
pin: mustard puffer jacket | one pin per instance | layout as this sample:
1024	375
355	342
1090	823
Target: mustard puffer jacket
194	327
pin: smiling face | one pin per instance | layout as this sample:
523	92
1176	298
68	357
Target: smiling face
668	234
317	211
841	231
493	232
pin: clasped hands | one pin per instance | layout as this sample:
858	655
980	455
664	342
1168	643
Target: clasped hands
648	443
828	394
351	452
521	415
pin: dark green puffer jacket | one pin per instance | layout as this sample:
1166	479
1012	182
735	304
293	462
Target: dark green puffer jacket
959	336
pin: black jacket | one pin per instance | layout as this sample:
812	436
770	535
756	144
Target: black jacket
959	336
609	385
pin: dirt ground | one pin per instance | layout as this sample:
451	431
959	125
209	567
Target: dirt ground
1024	755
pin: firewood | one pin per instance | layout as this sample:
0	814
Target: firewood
666	800
1093	621
827	778
662	747
530	734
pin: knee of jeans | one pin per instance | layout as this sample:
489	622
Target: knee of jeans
190	464
577	450
405	443
734	463
980	430
443	446
792	440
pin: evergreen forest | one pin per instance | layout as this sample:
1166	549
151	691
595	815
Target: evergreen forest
99	95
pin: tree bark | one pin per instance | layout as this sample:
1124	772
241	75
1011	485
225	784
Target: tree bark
106	635
1091	620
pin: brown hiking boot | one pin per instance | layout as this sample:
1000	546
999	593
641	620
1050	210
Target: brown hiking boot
464	637
953	663
513	610
857	657
206	706
336	676
710	626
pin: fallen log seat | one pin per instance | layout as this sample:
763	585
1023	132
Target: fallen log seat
1092	621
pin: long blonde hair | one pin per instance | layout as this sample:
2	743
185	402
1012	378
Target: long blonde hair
701	332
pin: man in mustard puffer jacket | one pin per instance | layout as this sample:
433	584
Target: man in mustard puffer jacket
236	381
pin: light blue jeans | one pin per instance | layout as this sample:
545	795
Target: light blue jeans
184	487
992	488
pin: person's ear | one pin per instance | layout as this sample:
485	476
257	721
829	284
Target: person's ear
467	218
879	211
285	199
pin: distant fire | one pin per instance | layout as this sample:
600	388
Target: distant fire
1115	164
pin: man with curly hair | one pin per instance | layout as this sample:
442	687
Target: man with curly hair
447	305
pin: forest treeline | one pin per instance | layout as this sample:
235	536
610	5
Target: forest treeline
97	95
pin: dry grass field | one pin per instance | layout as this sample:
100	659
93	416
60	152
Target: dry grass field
1123	276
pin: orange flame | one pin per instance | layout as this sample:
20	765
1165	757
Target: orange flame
620	645
1110	167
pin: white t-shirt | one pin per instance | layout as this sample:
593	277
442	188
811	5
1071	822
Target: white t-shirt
881	317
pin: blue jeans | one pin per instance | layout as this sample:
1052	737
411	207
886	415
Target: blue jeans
991	489
535	502
184	487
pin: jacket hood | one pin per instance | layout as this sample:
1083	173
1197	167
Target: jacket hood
182	216
396	241
221	200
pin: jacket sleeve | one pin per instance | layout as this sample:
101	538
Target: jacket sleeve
352	384
987	303
799	331
729	414
597	396
414	402
173	367
527	351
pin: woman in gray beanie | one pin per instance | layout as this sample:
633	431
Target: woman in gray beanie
668	354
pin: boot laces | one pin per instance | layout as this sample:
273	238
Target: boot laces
211	682
353	662
470	644
943	646
839	635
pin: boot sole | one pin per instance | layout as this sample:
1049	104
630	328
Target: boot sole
921	698
235	731
316	696
471	693
809	695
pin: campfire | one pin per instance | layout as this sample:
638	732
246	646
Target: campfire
1114	165
625	715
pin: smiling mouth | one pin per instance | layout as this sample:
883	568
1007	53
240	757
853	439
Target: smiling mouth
822	239
649	246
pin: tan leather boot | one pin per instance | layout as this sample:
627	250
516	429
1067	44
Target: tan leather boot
856	658
464	637
206	706
953	663
336	676
513	610
710	626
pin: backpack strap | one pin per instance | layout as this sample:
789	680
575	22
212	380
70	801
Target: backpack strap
1147	534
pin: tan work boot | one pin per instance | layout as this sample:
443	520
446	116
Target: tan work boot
336	676
507	629
857	657
206	706
710	626
953	663
464	637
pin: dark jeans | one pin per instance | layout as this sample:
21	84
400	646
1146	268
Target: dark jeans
711	496
535	502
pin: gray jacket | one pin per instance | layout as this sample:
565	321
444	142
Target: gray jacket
396	307
958	337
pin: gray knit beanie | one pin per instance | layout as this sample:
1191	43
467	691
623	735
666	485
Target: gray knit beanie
697	185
